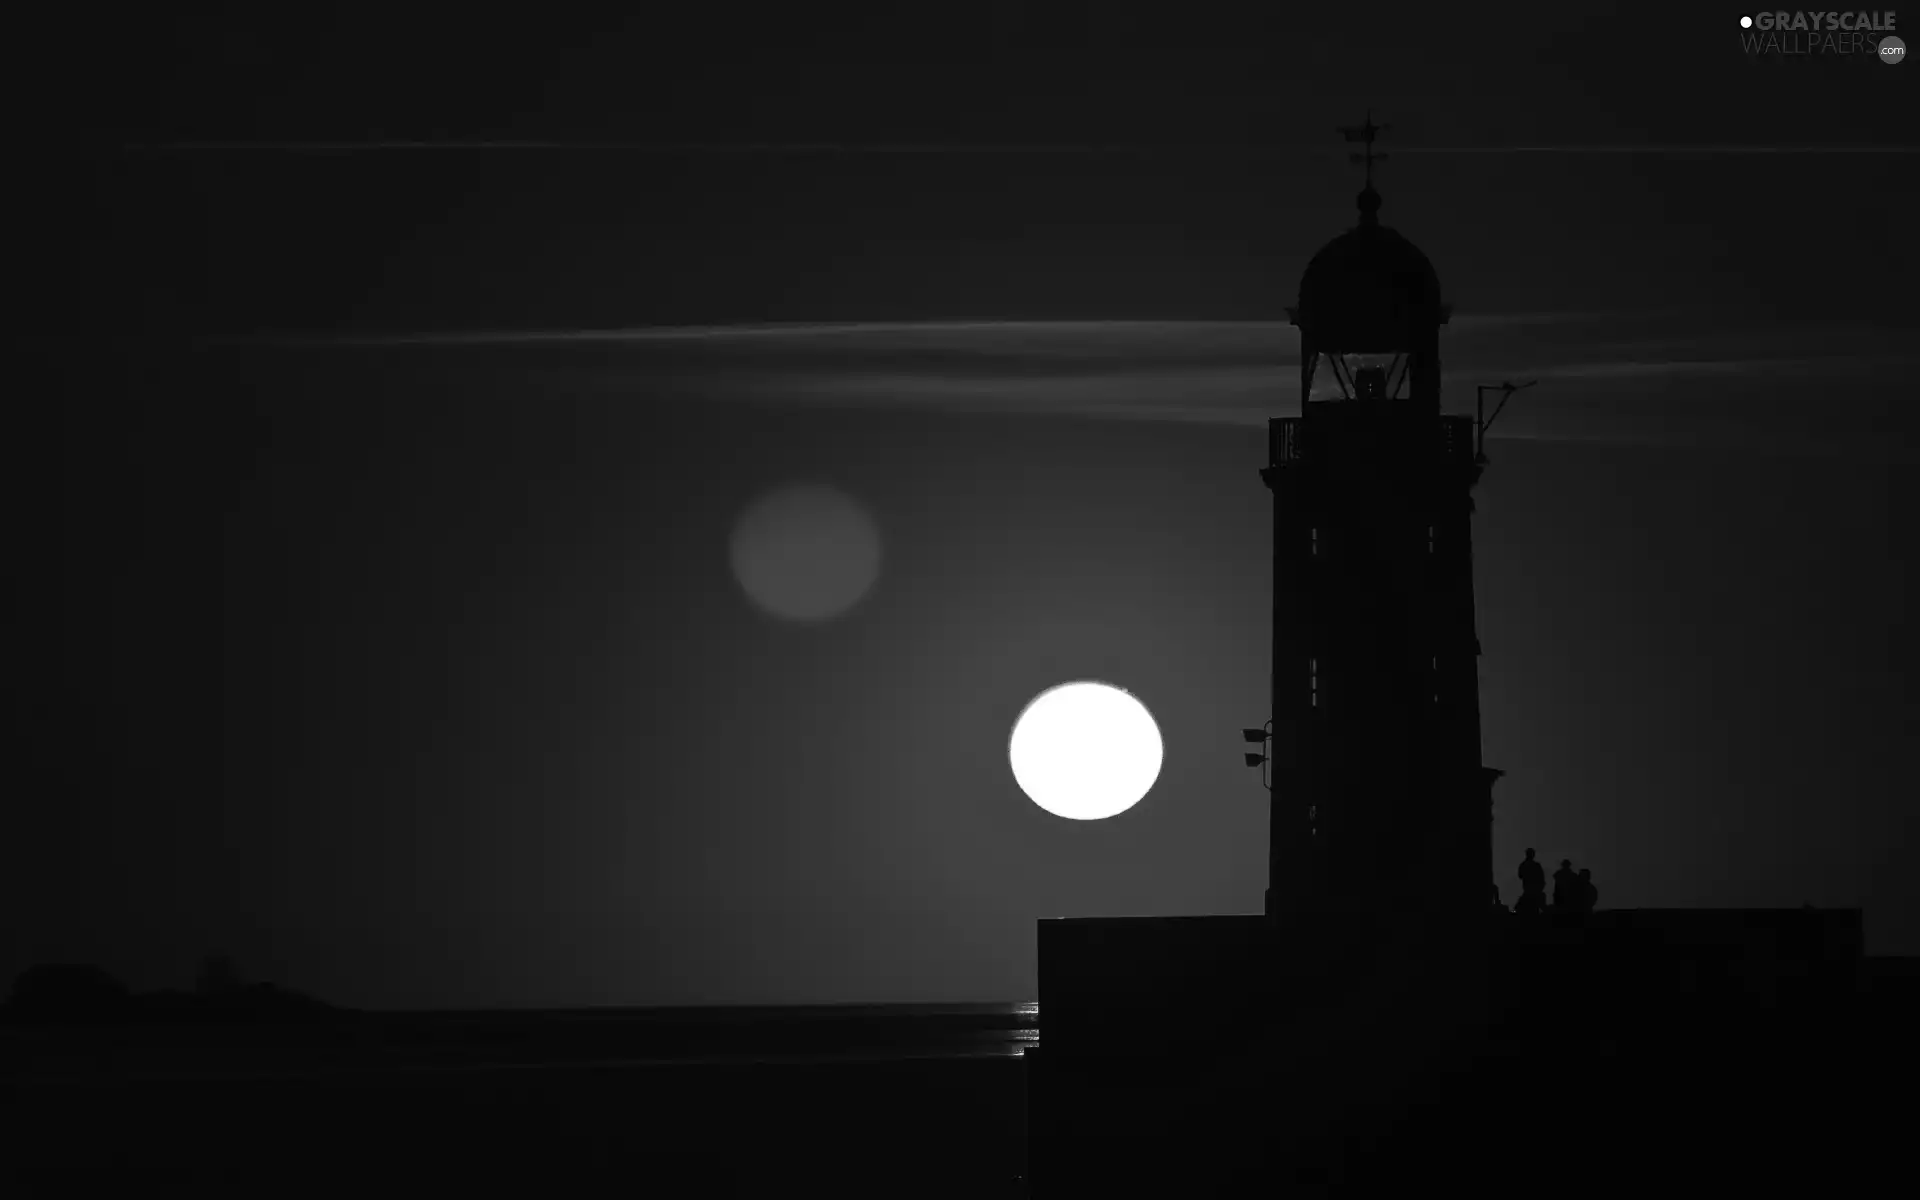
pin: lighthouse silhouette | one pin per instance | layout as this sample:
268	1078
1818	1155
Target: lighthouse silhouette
1378	1026
1381	805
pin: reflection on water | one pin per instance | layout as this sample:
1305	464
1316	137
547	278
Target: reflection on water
678	1103
1028	1032
557	1040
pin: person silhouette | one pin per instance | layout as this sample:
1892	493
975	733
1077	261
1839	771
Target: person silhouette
1589	894
1533	885
1566	885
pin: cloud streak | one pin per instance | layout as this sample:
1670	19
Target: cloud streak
1653	377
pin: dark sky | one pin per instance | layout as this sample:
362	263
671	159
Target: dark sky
411	377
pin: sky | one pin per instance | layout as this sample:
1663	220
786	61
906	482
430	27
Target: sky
411	378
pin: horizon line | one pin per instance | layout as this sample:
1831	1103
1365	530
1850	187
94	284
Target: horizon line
399	145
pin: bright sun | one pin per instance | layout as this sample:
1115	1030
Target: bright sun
1085	750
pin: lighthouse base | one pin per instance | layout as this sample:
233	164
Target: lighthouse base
1215	1055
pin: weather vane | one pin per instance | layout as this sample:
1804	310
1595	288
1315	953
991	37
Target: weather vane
1365	133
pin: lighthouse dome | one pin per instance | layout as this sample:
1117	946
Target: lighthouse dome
1370	290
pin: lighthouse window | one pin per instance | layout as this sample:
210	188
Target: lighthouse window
1316	542
1313	681
1429	539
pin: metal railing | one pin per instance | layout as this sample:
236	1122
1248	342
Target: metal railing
1456	440
1288	441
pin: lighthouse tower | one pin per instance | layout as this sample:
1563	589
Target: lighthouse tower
1366	1024
1381	805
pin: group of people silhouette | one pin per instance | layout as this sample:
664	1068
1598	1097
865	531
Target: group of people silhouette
1572	892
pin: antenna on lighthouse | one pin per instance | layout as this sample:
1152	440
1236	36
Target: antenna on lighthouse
1482	421
1365	133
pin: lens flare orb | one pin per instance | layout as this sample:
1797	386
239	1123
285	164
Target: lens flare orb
805	553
